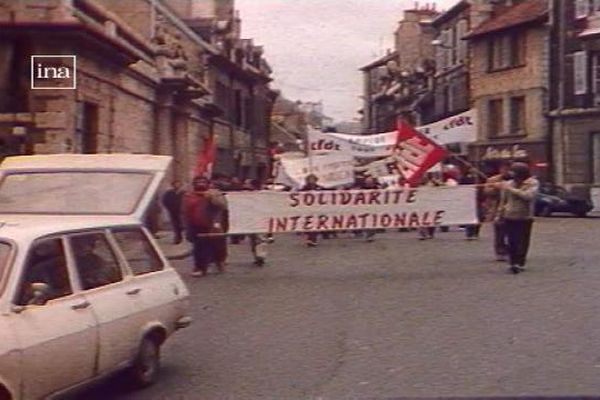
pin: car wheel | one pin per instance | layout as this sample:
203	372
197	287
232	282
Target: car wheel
545	211
144	371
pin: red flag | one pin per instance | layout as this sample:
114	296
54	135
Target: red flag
206	158
416	153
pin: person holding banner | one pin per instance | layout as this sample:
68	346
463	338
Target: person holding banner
517	209
311	184
492	201
203	210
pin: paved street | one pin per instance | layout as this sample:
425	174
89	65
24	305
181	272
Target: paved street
397	317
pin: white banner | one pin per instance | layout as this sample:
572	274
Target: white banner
461	128
332	170
360	146
326	210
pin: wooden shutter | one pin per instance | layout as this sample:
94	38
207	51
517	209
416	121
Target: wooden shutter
580	71
462	44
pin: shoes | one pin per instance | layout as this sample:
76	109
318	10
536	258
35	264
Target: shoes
370	239
471	238
270	239
501	257
516	269
198	274
259	261
311	243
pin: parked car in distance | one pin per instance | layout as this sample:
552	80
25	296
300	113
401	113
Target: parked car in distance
84	289
553	198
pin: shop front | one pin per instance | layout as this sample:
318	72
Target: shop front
489	156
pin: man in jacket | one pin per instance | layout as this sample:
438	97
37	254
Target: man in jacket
517	200
203	211
171	201
492	204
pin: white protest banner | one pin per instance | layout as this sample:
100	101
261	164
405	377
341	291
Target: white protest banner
360	146
461	128
332	170
275	212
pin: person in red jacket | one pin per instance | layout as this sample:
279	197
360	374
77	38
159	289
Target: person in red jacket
204	211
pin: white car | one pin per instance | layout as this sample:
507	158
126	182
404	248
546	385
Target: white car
84	289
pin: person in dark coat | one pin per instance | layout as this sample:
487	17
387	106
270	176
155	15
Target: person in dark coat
311	184
203	209
171	201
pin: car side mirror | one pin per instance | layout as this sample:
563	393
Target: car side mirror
40	293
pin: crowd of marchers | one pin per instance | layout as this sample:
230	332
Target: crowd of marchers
200	215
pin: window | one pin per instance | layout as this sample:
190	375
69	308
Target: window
596	6
517	115
582	8
5	250
507	51
86	134
462	29
46	275
238	110
596	77
596	158
95	261
580	72
138	251
496	120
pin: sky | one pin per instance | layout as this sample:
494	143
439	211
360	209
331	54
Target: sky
316	47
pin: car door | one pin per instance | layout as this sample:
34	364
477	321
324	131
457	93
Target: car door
159	288
56	328
112	295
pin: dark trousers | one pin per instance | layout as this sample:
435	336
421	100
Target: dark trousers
472	231
519	235
176	225
202	252
500	239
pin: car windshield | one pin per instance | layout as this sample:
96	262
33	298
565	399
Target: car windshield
116	193
4	253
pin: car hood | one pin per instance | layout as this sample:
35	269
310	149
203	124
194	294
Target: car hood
81	184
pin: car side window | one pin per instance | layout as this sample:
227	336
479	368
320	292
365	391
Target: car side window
138	251
46	276
95	261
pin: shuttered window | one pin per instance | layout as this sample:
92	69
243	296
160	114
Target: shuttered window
580	72
462	28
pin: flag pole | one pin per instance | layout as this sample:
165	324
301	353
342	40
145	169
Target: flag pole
469	165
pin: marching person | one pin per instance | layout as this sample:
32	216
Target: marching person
203	210
171	201
370	183
429	180
311	183
492	204
471	178
517	200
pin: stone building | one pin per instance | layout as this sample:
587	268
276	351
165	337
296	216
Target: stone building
398	84
575	96
142	85
509	77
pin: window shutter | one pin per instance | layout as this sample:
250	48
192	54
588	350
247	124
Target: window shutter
582	8
580	72
462	44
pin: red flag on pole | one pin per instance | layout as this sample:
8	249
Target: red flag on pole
206	158
416	153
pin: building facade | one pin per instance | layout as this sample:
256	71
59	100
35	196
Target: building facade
143	85
509	79
575	105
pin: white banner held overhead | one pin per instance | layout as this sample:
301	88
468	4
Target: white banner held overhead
332	170
461	128
276	212
360	146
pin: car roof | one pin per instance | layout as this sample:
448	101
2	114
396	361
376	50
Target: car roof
25	227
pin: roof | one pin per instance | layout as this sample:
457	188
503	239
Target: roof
20	227
451	13
381	61
528	11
